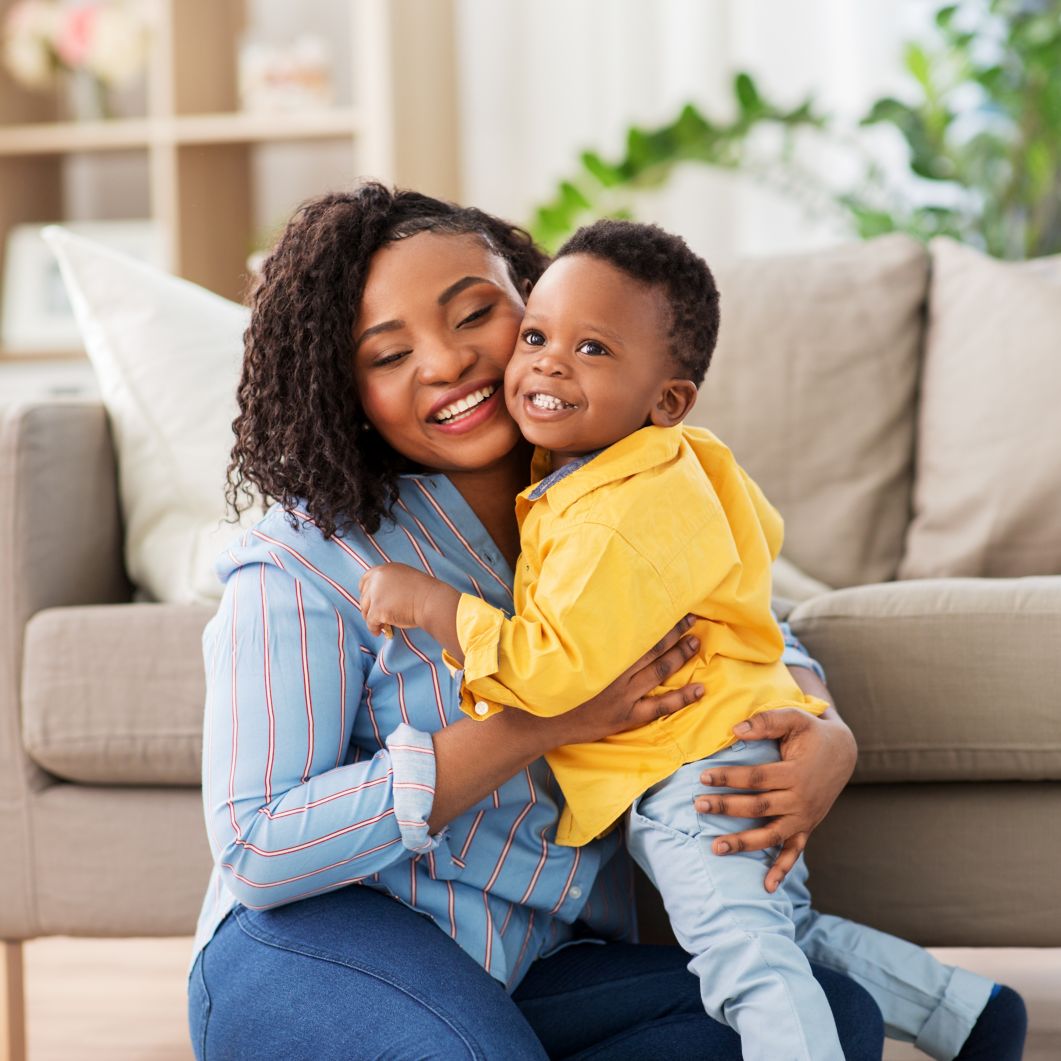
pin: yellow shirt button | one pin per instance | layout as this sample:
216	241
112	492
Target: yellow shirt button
482	708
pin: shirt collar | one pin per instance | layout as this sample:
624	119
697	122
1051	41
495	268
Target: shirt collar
644	449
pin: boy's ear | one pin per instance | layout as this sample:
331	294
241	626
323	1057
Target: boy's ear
674	403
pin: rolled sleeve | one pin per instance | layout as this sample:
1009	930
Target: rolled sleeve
412	755
796	655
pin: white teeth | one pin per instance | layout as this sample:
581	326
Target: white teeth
549	401
462	405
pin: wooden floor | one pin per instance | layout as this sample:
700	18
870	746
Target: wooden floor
123	1000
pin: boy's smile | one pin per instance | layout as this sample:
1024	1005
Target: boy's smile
592	362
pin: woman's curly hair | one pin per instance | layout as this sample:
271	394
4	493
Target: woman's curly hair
301	436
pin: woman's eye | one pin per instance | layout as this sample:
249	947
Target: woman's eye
591	347
390	359
533	338
477	315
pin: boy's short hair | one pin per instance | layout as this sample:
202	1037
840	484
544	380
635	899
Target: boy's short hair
660	259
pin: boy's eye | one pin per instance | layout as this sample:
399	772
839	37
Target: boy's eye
477	315
590	346
533	338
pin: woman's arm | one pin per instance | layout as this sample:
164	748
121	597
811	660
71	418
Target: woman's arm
817	759
286	816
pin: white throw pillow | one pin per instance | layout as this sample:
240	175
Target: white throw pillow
167	355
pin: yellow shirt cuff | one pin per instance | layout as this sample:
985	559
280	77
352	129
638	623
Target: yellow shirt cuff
479	634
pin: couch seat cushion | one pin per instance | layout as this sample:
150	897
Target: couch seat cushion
114	694
944	679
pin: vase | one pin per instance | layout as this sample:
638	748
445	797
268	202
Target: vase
85	98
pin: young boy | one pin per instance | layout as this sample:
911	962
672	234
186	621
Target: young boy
636	521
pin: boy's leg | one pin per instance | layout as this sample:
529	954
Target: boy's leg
922	1000
752	974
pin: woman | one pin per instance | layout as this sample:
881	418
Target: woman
370	411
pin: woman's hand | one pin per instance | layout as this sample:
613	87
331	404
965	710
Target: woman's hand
817	758
625	704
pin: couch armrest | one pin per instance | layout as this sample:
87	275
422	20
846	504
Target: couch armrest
60	525
60	532
60	543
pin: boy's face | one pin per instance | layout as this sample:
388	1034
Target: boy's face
592	363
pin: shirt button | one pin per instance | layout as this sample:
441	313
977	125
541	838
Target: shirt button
482	708
575	892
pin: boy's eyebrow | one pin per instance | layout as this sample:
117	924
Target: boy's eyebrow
454	290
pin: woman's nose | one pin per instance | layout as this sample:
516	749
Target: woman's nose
445	362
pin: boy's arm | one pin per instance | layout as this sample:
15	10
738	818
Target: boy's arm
598	604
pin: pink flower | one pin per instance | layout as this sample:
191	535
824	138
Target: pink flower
74	39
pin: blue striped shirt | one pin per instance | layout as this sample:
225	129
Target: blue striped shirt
318	763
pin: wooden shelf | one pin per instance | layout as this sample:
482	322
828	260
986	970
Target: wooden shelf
336	123
63	138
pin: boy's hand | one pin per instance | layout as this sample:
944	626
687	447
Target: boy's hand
397	595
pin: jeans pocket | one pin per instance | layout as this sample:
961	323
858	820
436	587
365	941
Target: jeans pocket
198	1008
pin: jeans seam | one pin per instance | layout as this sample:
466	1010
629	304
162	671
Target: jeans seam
198	972
276	943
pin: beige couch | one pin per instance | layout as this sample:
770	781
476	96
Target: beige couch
947	834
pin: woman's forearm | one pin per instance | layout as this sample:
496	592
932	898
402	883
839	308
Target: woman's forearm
474	758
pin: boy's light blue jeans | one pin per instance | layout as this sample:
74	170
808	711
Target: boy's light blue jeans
751	950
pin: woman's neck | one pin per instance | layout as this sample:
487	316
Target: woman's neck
491	494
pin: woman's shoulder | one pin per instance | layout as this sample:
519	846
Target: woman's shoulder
290	541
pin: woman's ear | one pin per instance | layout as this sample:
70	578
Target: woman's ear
525	288
674	403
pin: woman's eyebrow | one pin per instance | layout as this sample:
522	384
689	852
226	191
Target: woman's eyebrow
454	290
385	326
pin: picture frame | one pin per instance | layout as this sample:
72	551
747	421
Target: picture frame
36	318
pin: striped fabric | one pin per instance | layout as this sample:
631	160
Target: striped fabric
319	767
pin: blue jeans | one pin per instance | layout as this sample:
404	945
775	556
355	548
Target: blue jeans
355	974
752	950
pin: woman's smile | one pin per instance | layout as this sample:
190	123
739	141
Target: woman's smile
472	405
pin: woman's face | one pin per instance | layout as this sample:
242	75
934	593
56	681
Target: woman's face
438	322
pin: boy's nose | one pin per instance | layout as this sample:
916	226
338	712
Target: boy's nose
550	365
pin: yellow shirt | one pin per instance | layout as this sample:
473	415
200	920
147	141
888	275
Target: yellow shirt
661	524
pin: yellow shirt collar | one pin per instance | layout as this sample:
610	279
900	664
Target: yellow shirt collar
644	449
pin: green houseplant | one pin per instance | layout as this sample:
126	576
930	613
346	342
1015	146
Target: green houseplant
982	126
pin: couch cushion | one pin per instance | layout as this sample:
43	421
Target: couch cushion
944	680
987	495
114	694
813	387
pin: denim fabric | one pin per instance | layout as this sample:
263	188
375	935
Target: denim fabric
751	949
356	974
